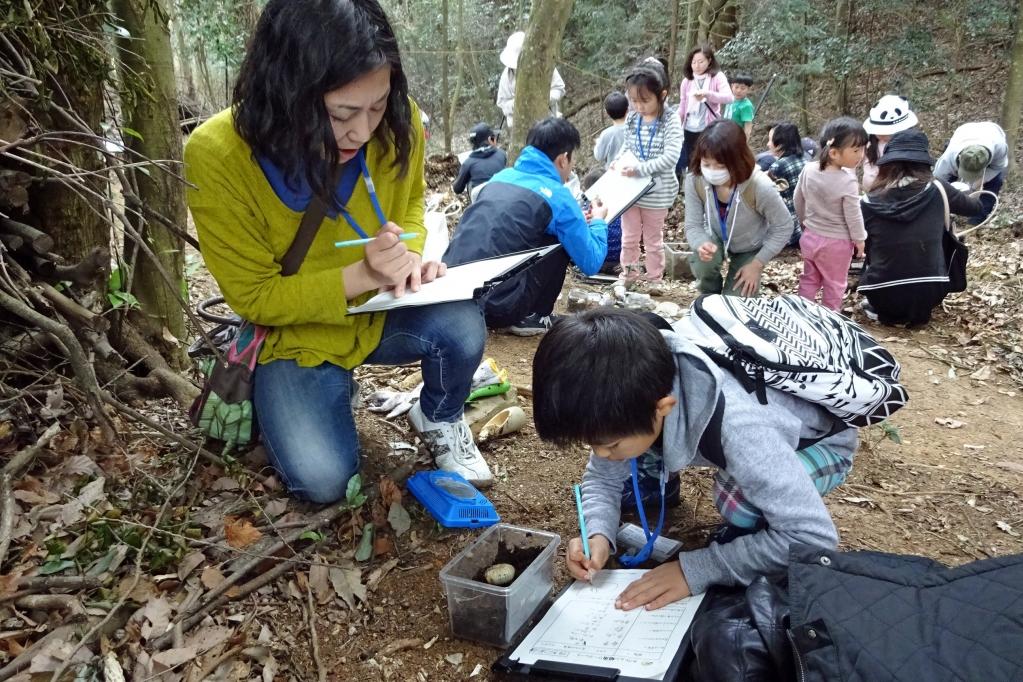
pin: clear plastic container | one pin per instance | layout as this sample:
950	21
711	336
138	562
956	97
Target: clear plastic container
676	261
490	614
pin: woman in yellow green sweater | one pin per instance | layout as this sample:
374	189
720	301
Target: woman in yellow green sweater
321	92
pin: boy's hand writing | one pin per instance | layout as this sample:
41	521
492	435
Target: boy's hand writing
860	249
597	210
579	566
706	251
659	587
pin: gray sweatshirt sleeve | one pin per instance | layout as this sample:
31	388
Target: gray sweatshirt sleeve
602	496
779	222
672	149
695	215
945	169
773	479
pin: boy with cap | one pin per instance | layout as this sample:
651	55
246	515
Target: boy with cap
485	160
526	207
978	156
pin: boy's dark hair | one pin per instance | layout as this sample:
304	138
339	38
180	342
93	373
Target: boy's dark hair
597	377
616	104
840	133
725	142
785	136
742	79
590	178
708	52
554	136
651	75
294	59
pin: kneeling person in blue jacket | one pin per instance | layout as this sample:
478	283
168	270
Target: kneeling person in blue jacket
526	207
610	379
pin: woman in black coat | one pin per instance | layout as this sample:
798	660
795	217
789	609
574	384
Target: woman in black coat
906	273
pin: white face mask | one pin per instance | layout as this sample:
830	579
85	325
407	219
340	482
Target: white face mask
715	176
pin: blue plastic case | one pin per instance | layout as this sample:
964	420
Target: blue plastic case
452	500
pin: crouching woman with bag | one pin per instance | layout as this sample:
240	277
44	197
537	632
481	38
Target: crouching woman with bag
913	259
321	113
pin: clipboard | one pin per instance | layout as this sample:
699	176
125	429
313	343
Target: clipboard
461	283
508	668
617	191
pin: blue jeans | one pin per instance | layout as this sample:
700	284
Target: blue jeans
305	413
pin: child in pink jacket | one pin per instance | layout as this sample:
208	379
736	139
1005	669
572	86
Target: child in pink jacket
701	95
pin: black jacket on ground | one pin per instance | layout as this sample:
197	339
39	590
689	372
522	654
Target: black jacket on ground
905	274
866	616
479	167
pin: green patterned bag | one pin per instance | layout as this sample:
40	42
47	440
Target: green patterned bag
224	408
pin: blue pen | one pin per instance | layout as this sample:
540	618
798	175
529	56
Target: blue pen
582	520
404	236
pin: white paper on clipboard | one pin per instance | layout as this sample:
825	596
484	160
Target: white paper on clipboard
616	191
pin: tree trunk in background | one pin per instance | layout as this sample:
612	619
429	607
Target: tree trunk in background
710	13
445	94
692	24
725	24
843	29
449	115
673	41
252	11
1012	106
546	28
183	62
76	224
150	107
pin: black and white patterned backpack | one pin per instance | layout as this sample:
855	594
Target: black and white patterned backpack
797	346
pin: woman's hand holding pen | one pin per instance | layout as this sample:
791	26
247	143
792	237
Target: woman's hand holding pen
388	264
579	566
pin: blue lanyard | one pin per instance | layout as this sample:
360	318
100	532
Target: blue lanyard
630	560
371	188
723	221
645	154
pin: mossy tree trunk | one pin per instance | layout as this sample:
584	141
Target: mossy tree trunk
546	28
1012	105
149	107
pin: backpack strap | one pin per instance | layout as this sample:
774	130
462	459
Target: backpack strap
944	199
749	192
313	217
710	442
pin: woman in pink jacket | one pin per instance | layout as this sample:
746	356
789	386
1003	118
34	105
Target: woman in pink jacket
701	95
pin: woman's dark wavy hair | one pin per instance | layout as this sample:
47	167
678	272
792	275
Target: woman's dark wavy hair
708	52
301	50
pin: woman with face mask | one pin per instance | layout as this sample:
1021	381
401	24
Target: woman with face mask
733	213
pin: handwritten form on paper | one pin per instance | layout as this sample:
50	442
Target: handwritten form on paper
583	627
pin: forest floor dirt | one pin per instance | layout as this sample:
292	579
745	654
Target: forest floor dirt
950	491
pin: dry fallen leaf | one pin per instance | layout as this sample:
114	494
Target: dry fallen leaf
319	581
189	563
211	577
389	491
9	582
948	422
240	533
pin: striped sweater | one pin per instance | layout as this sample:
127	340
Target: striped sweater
658	157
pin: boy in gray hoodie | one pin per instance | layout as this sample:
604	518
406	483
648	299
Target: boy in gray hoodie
610	379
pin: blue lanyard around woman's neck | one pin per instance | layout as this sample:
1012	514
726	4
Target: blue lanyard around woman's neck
630	560
723	220
645	154
371	188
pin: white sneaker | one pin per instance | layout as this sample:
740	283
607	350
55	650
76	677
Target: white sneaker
452	447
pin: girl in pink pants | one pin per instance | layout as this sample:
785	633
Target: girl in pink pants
653	141
827	203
